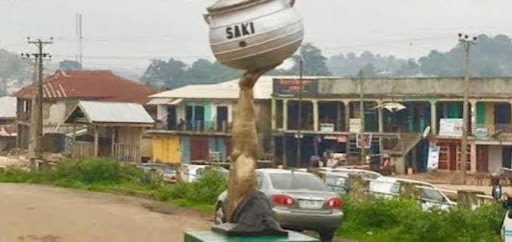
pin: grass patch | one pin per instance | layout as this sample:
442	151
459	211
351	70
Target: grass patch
106	175
404	220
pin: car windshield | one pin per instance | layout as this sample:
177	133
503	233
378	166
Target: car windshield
432	194
297	182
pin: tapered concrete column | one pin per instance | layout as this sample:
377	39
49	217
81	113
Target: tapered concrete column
273	113
315	115
381	117
472	157
285	114
433	118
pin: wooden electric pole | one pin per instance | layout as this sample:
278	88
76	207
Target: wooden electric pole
299	129
466	42
36	144
361	111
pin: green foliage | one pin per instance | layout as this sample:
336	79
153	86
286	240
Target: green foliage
315	64
165	73
490	57
404	220
70	65
100	174
202	191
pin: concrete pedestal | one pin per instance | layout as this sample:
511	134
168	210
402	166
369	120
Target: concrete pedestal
210	236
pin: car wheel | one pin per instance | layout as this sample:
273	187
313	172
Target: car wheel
220	216
326	235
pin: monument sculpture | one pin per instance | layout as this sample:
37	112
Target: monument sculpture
255	36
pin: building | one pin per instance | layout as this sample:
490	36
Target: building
404	116
194	122
117	129
62	91
7	123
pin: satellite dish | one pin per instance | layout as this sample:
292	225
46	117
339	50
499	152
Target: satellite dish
426	132
394	107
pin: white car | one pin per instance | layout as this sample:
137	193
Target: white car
337	178
506	228
190	173
430	195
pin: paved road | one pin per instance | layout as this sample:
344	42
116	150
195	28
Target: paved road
48	214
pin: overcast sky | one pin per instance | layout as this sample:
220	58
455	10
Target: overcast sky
127	33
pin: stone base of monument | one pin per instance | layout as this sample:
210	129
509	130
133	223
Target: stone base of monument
252	221
211	236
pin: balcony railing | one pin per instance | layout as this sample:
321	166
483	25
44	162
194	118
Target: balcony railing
490	130
205	126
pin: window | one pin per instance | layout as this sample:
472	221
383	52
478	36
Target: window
297	182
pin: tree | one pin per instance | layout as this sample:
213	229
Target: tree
203	71
165	74
315	64
70	65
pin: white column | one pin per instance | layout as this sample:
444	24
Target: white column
381	117
472	115
273	113
433	118
315	115
285	114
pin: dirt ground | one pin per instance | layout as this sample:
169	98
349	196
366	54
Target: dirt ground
47	214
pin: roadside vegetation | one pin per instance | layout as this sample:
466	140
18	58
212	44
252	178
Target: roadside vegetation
106	175
404	220
365	219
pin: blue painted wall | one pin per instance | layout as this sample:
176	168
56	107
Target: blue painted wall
185	149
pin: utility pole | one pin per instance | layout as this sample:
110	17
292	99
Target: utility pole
361	111
299	128
80	39
37	101
466	42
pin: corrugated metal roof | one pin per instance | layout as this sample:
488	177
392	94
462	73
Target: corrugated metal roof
225	90
98	84
7	107
114	112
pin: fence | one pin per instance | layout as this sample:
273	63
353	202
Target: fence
126	152
82	149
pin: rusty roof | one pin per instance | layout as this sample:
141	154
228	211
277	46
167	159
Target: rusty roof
91	84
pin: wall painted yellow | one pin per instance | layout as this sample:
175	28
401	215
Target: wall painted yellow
166	149
489	117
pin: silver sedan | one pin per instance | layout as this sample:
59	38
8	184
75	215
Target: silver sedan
300	201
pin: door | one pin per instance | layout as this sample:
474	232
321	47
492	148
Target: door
199	149
453	156
222	118
171	117
482	158
199	117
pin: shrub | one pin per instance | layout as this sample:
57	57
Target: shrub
404	220
97	171
202	191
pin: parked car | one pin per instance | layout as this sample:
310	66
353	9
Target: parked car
430	195
167	172
190	173
300	201
337	178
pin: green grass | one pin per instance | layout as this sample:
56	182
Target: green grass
377	220
106	175
383	220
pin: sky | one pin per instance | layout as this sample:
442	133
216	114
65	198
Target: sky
128	33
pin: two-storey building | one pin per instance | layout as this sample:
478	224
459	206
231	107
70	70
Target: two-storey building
405	116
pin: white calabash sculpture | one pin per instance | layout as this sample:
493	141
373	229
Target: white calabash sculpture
254	34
